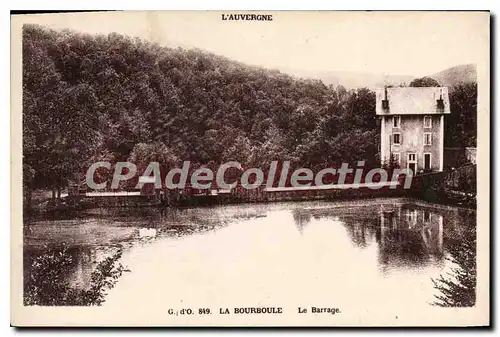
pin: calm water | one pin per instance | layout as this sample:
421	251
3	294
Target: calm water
382	251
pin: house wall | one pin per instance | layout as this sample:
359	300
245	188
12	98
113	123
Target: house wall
412	140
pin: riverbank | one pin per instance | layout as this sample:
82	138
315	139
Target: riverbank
70	203
455	187
146	209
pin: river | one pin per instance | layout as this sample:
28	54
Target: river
372	252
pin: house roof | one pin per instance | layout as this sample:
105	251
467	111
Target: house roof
412	101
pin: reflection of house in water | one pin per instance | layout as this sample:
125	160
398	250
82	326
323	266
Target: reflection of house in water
361	234
405	232
409	235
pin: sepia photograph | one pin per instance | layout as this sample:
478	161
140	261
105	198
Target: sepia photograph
202	168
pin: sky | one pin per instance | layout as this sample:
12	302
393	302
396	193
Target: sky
392	43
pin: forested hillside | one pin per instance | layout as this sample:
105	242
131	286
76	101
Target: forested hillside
88	98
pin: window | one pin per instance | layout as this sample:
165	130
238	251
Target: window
396	121
427	161
427	138
396	138
411	163
427	122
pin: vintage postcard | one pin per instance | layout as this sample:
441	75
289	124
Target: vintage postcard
202	168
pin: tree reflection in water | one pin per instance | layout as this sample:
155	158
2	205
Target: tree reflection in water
458	287
47	282
410	237
301	219
399	237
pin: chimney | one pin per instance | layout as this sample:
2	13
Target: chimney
440	101
385	101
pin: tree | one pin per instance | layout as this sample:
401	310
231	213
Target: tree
461	123
457	288
144	153
58	119
114	98
424	82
